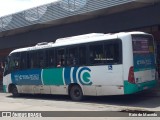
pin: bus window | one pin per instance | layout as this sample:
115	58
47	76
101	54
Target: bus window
96	54
143	52
41	59
33	63
60	58
112	53
50	58
82	55
23	60
14	62
142	44
72	57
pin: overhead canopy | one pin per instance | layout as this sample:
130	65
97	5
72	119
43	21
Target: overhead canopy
63	12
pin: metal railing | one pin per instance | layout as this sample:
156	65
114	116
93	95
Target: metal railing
55	11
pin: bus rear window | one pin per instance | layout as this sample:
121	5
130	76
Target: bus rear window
142	44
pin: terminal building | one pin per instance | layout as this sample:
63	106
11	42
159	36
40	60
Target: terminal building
66	18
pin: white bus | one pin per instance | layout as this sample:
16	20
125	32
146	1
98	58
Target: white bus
93	64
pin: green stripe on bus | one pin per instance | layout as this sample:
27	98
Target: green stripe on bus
130	88
53	76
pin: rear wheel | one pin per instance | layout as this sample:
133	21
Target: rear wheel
76	93
14	91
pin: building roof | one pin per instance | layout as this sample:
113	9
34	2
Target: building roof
63	12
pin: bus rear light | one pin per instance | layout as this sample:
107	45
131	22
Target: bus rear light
131	78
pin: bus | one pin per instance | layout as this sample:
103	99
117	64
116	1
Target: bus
93	64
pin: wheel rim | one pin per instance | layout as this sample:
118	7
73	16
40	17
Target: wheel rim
76	93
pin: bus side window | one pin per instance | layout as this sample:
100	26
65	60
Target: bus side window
112	53
14	62
33	63
50	58
60	57
23	60
96	54
41	59
72	56
109	53
82	55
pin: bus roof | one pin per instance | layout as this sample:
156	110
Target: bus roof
86	38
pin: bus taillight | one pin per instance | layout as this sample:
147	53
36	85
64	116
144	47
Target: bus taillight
131	78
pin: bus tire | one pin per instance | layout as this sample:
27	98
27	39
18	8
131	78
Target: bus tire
14	91
76	93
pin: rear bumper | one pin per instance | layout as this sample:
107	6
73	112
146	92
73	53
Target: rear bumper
130	88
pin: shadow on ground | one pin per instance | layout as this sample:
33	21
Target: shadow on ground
145	99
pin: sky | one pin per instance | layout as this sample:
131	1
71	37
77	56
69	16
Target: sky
12	6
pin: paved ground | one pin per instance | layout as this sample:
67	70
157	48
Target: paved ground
142	101
145	101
